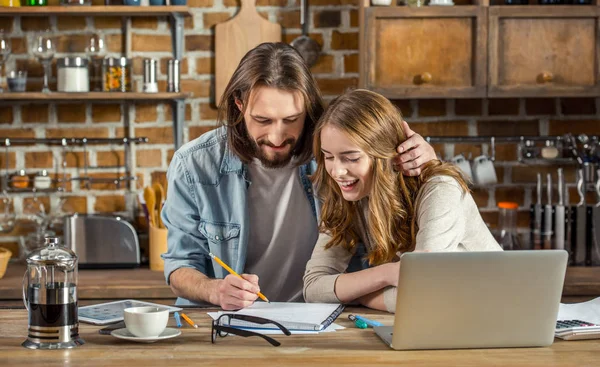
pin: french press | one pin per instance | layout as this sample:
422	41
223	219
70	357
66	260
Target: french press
50	296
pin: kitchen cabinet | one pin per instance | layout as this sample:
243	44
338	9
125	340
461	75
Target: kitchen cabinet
543	51
476	51
424	52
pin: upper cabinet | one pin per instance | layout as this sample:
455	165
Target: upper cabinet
543	51
474	51
424	52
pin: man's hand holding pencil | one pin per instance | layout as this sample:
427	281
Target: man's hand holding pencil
237	291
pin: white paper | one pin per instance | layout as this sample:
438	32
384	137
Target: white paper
585	311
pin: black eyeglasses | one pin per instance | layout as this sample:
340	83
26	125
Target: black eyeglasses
221	330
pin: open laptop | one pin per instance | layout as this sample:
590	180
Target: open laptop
450	300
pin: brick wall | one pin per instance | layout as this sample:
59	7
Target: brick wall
334	24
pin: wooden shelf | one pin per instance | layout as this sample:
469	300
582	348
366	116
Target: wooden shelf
126	11
92	96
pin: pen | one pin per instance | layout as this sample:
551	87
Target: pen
188	320
231	271
367	321
177	318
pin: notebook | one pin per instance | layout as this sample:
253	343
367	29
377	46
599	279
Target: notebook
292	315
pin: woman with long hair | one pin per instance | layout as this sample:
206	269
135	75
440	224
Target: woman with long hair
371	214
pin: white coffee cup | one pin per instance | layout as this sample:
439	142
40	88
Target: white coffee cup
484	172
461	162
146	322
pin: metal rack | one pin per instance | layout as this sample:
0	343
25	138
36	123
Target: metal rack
69	142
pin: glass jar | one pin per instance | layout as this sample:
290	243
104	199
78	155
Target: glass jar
42	180
19	180
507	236
116	73
72	74
10	3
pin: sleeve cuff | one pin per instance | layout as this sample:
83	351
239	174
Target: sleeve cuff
323	290
389	298
171	265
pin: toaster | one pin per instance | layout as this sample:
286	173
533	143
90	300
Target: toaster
102	241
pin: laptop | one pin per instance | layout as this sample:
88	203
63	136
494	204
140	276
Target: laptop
450	300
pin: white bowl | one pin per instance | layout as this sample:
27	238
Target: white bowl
146	322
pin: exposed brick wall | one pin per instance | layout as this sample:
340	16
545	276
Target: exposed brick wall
333	23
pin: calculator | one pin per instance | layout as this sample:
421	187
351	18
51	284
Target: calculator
576	330
107	313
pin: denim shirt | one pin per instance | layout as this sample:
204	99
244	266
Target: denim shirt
207	207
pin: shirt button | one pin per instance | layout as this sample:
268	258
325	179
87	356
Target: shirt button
217	238
309	190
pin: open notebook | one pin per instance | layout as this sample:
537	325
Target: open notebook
294	316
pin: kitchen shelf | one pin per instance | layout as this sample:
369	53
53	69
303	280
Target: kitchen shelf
93	96
125	11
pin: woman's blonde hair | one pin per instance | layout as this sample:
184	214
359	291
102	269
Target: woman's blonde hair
373	124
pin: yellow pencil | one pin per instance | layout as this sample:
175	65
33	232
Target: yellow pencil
231	271
188	320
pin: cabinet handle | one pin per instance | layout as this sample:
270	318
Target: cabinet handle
426	77
545	77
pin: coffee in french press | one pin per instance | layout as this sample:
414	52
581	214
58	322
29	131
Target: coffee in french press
50	296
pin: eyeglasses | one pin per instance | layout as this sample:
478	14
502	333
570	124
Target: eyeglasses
218	327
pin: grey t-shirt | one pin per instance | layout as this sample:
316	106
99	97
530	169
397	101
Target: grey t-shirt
283	231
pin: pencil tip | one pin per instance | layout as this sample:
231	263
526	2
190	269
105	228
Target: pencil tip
196	326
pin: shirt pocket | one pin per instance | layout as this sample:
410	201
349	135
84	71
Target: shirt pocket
220	234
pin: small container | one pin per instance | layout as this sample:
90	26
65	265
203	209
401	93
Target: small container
117	74
173	75
19	180
73	74
550	151
150	84
17	80
42	180
75	2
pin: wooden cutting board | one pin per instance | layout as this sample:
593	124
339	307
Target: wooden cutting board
235	37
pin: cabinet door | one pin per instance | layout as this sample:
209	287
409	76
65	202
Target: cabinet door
543	51
424	52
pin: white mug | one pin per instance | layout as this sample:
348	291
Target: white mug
484	172
463	164
146	322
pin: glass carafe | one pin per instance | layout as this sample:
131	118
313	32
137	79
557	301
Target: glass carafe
507	236
50	296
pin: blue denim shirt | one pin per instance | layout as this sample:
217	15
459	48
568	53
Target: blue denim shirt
206	207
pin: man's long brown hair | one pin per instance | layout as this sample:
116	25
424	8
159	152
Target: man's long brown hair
373	124
276	65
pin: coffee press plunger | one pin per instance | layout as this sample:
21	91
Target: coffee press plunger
50	296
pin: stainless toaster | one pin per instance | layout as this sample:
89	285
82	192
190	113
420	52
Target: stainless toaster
102	241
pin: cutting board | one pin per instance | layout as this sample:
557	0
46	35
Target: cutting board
235	37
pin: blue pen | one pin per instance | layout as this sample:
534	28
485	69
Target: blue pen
368	321
177	318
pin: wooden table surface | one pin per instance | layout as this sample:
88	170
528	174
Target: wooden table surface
581	283
348	347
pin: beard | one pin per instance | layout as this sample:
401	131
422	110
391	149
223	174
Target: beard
277	160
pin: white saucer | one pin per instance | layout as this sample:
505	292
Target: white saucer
123	333
441	4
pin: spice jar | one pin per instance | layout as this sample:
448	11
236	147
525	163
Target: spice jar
19	180
73	74
42	180
116	73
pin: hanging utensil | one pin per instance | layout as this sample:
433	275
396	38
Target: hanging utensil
536	232
559	213
579	251
306	46
595	251
548	214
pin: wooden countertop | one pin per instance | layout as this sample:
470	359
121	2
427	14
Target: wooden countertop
142	283
347	347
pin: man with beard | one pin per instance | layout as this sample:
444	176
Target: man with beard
242	192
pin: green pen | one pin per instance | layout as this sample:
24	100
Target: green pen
358	323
